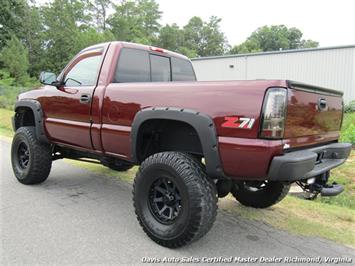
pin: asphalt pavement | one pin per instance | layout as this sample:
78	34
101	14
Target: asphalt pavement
79	217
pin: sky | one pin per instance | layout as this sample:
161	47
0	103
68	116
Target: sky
330	22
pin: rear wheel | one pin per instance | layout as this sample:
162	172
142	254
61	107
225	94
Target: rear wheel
174	200
31	160
260	194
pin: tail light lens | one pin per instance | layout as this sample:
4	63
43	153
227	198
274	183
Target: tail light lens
274	114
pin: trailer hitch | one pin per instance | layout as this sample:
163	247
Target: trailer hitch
318	185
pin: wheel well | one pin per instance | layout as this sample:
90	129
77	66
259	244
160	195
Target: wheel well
24	117
157	135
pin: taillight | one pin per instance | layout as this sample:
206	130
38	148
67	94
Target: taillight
274	113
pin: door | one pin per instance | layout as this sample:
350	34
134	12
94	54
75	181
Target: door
68	109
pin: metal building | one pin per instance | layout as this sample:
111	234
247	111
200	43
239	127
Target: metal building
331	67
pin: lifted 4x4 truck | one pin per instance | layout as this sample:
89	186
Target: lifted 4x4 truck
125	104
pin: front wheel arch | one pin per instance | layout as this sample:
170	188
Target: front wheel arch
32	110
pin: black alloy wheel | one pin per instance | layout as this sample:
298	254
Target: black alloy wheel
164	200
23	155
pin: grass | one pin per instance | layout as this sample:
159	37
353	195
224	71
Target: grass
348	128
349	118
345	175
330	218
5	122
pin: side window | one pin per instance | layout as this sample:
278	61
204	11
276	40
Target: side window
132	66
84	73
160	66
182	70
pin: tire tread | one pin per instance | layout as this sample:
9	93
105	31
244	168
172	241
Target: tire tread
204	201
41	158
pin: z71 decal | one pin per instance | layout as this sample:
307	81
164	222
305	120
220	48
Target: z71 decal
238	122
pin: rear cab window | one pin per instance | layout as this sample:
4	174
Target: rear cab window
160	68
135	65
132	66
182	70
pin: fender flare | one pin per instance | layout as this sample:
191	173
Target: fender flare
202	123
36	108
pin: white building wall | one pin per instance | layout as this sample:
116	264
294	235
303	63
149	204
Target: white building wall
331	68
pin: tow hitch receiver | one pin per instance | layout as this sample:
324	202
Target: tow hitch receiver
331	190
318	185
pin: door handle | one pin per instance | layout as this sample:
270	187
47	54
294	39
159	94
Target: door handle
85	98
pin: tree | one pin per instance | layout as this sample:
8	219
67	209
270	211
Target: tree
91	36
63	21
205	38
136	21
171	37
14	57
99	11
11	19
33	39
273	38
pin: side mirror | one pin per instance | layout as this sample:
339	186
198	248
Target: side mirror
48	78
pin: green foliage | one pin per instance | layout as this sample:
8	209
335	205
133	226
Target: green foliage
350	107
10	88
205	38
196	38
33	39
45	35
5	122
136	21
273	38
90	37
14	57
98	10
348	128
63	21
11	19
171	37
344	175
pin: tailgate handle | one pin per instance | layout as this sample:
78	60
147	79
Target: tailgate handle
322	104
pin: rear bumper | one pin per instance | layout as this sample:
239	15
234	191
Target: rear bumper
303	164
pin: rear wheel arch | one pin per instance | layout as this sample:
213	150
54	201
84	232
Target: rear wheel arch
189	119
29	113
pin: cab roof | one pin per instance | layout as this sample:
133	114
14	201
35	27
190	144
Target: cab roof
148	48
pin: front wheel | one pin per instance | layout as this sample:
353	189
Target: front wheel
260	194
31	160
174	200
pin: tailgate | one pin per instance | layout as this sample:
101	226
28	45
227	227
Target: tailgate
313	111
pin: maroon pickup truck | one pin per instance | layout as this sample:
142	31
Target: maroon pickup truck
125	104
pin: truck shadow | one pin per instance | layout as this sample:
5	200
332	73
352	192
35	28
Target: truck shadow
92	216
231	234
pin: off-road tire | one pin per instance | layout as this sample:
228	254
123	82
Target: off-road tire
198	199
271	194
39	157
120	166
